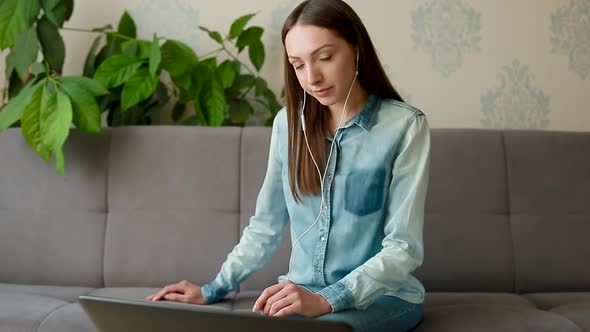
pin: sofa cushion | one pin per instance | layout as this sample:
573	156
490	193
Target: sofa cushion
549	183
64	293
574	305
493	318
173	204
41	211
466	207
25	312
443	298
69	318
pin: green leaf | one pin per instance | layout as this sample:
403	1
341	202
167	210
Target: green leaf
112	47
69	8
201	78
23	54
116	70
215	103
249	37
60	164
183	81
58	11
139	87
31	123
261	86
244	81
227	73
256	52
271	99
238	25
213	34
56	117
86	113
155	56
192	121
177	57
90	63
16	16
13	111
127	26
139	48
37	68
52	44
240	110
88	84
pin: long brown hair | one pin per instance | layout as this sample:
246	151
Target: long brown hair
339	17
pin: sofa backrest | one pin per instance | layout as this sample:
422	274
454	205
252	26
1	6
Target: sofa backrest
52	227
507	211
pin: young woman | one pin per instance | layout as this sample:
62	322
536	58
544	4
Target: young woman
348	166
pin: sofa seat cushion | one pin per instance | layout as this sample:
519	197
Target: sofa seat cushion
64	293
25	312
69	318
444	298
573	305
493	317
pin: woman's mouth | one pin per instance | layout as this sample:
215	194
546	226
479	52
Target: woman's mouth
322	92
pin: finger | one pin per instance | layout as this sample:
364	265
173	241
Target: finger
268	292
283	293
175	288
176	297
280	304
286	311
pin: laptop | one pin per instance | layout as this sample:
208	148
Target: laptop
124	315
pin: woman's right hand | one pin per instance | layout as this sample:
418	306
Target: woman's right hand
183	291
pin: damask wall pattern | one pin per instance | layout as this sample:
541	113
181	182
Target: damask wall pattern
465	63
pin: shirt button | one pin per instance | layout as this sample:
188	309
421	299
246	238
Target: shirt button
318	269
322	238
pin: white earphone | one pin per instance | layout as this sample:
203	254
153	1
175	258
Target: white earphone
322	176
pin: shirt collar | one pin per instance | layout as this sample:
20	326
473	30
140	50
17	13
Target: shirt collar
364	118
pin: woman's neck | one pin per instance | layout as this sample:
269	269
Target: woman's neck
356	102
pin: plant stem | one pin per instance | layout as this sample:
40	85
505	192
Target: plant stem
116	34
236	58
212	52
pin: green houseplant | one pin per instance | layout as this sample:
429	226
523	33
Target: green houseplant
123	77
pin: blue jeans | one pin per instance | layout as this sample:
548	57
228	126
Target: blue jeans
387	313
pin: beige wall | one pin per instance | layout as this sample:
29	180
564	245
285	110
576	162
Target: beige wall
465	63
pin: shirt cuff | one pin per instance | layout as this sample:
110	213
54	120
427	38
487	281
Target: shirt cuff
212	292
339	296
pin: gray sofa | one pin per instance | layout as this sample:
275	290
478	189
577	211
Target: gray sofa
507	229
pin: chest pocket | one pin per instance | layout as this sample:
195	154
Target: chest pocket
364	191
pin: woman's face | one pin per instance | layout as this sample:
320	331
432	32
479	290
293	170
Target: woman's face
323	62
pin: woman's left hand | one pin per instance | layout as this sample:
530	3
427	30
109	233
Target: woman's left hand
286	298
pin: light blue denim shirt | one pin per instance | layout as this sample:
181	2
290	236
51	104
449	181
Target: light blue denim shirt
368	239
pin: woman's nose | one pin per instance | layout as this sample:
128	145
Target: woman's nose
314	76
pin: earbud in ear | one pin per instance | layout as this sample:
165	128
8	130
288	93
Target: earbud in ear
302	109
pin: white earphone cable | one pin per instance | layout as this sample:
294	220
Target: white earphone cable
322	201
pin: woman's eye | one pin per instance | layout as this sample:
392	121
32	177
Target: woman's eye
297	67
326	58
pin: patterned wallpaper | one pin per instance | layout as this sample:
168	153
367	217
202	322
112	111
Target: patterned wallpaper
465	63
